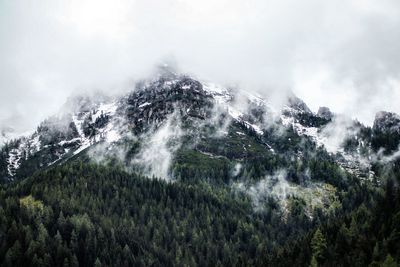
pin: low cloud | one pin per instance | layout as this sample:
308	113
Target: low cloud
272	186
335	133
159	147
387	158
276	187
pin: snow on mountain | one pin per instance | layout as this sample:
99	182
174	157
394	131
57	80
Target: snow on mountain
86	121
332	137
225	98
98	123
109	133
22	150
7	134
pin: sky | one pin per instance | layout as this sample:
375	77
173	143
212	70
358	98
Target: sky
343	54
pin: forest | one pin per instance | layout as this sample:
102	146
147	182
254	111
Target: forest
85	214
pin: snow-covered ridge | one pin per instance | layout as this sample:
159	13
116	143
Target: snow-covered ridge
109	133
104	119
24	148
98	121
219	93
332	137
31	144
225	98
8	134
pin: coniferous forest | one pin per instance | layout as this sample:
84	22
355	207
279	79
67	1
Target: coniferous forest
82	214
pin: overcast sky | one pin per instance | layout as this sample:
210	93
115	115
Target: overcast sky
344	54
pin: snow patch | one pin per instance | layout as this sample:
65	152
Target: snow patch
219	93
26	146
144	105
14	157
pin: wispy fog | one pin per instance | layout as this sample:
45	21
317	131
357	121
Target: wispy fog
342	54
157	153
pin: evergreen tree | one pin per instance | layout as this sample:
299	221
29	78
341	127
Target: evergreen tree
97	263
318	246
389	262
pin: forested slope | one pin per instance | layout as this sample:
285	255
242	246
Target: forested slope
85	214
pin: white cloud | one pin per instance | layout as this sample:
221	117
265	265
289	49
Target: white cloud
341	54
157	153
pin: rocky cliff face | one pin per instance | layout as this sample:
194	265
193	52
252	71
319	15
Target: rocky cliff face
325	113
387	122
150	104
386	132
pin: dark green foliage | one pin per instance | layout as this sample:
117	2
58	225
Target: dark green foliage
369	235
318	246
101	215
93	214
386	140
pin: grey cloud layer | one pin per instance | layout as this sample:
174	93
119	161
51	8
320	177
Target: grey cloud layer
341	54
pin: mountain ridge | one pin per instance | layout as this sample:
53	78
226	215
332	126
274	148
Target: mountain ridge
88	121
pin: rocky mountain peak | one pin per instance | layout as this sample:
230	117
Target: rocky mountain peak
298	105
387	122
325	112
151	102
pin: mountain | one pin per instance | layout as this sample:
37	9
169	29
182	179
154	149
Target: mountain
86	122
166	122
181	171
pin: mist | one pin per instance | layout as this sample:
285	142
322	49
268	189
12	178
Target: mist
157	155
339	54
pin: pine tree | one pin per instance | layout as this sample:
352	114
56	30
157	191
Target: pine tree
59	247
14	254
97	263
314	262
389	262
74	261
62	223
74	242
318	246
